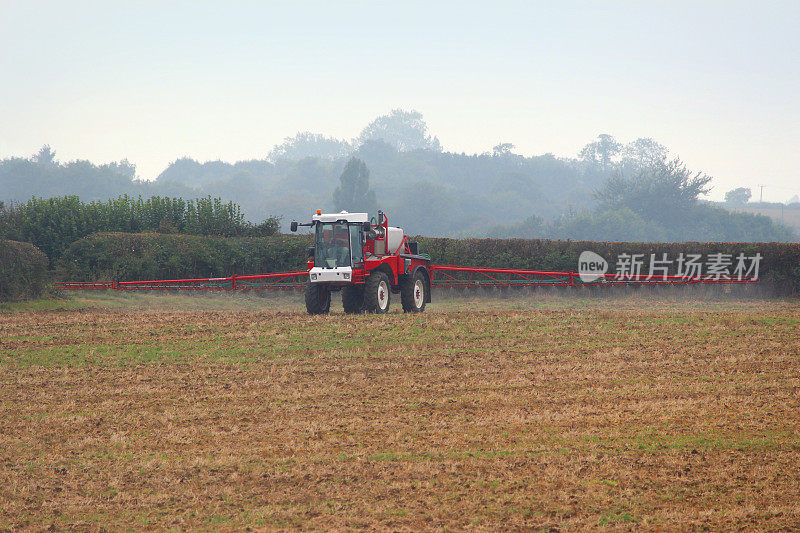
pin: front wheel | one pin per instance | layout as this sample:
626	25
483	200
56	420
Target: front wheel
412	293
377	293
318	298
353	299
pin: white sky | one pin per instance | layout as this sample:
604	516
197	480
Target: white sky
716	82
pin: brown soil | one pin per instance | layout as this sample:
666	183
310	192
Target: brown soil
643	415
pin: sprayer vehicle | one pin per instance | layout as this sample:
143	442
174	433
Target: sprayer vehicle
367	261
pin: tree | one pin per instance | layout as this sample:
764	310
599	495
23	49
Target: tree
353	193
182	170
601	152
307	144
502	149
45	156
665	191
405	130
377	152
608	225
122	168
643	152
738	196
532	227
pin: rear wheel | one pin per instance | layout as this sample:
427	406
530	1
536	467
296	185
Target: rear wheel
318	298
353	298
377	293
412	293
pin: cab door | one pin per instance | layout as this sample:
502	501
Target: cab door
356	246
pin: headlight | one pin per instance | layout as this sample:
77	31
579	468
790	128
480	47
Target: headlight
313	276
346	276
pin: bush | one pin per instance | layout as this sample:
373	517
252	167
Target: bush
23	270
143	256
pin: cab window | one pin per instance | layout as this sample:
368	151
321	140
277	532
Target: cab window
356	246
332	245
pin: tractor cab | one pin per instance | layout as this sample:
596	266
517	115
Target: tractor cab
338	246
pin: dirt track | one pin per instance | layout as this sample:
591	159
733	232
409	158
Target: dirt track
666	415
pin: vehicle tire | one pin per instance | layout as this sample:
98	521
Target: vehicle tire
412	293
377	293
318	298
353	299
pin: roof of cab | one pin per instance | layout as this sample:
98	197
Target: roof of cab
344	215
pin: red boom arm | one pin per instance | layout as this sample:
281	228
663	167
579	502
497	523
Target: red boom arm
441	276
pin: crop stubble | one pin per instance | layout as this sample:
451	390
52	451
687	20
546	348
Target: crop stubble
621	415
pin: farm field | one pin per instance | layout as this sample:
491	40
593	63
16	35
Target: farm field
549	412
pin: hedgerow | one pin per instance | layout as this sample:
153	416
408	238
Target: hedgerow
141	256
154	256
23	270
779	265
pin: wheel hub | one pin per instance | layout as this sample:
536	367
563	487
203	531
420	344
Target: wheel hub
382	295
419	293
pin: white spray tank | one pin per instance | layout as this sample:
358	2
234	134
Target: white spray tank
395	240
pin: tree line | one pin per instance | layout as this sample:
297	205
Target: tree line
657	200
426	190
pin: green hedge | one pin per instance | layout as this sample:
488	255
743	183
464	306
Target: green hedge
123	256
142	256
779	267
23	270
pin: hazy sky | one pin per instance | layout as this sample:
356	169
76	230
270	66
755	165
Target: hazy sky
716	82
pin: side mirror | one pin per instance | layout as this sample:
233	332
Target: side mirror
366	226
293	225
